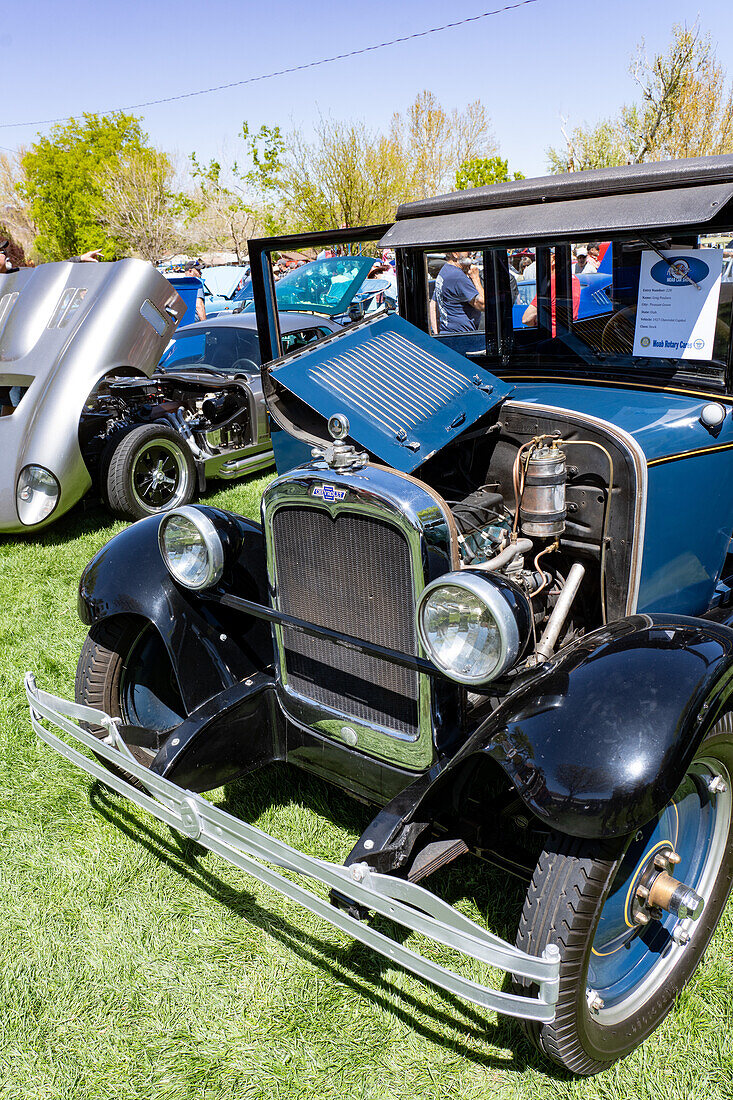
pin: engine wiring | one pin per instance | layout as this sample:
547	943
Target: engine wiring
546	577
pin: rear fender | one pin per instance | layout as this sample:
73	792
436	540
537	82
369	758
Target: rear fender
210	648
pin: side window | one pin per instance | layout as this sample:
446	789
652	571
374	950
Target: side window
455	283
292	341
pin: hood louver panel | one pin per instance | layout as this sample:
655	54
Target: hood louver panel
406	394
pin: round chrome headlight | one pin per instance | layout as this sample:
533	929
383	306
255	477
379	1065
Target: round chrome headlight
473	627
36	494
191	547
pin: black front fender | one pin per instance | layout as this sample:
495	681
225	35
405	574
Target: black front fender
210	648
597	742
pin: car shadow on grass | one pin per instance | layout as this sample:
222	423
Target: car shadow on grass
460	1027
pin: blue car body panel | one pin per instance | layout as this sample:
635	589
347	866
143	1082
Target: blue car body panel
406	395
594	301
685	462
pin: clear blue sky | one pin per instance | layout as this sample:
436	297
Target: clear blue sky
529	66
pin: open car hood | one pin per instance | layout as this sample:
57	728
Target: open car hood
63	327
222	281
406	395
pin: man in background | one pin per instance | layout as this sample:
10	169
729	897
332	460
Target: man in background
458	299
594	258
193	271
581	259
8	252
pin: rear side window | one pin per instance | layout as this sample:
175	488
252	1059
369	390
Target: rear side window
292	341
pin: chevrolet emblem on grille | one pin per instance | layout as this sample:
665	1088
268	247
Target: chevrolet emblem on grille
328	492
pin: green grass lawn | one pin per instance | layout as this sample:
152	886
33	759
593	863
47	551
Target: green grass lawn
132	965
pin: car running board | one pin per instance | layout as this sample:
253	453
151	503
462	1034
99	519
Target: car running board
251	849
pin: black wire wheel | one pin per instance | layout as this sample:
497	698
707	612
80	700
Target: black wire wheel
626	948
151	470
124	669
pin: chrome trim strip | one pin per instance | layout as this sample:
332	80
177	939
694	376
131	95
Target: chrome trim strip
234	467
627	442
251	849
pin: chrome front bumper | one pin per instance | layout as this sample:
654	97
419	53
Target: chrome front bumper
251	850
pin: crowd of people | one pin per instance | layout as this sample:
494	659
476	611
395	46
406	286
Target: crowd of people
457	300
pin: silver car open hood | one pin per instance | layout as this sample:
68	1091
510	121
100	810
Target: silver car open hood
63	327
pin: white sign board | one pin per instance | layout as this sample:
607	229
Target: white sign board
678	303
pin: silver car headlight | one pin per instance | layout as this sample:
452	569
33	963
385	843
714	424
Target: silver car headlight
473	627
36	495
191	547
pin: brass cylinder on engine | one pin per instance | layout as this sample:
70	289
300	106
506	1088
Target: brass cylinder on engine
542	509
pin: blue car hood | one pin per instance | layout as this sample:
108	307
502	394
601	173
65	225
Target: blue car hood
406	395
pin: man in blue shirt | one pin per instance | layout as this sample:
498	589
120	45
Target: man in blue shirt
193	271
458	298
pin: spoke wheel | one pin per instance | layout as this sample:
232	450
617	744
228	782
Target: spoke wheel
151	470
619	978
124	669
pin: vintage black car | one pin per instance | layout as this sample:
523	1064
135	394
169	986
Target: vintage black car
495	603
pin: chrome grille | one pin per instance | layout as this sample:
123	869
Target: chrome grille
351	573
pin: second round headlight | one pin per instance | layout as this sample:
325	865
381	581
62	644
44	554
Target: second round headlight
471	627
191	548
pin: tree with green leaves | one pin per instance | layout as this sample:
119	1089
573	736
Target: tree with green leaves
347	174
482	171
685	109
138	206
62	181
231	202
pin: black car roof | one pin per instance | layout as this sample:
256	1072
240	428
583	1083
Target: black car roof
633	197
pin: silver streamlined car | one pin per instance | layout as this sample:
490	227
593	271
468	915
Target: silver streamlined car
63	328
94	392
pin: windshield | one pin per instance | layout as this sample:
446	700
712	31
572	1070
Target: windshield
244	294
323	286
220	348
660	306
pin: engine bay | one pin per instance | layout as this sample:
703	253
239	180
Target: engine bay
213	415
548	502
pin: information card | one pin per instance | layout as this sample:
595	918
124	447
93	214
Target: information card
678	303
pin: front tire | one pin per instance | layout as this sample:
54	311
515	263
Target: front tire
124	670
151	470
618	980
